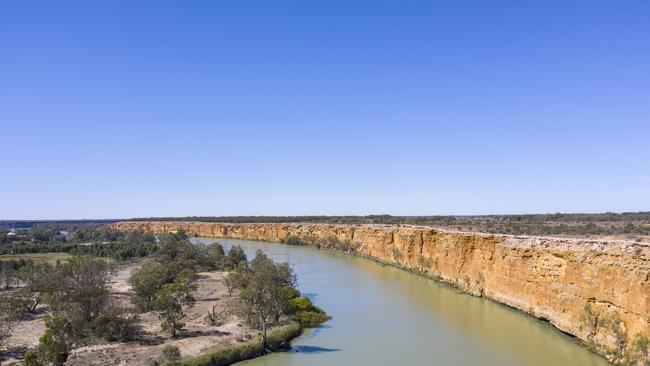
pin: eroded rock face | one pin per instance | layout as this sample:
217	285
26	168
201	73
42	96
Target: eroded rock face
550	278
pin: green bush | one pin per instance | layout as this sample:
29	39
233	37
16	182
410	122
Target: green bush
294	240
307	313
57	341
32	359
311	318
116	324
334	243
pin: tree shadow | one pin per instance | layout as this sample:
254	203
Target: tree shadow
208	299
151	340
313	349
33	315
201	333
14	352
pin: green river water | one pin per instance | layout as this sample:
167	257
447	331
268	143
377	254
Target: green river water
382	315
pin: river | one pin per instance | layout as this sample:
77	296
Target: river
382	315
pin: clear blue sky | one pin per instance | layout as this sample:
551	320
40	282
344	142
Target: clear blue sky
112	109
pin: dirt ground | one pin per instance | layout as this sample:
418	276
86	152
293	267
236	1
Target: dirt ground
198	335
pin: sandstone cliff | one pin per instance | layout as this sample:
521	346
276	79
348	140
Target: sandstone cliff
549	278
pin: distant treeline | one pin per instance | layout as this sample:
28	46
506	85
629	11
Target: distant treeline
389	219
62	232
89	239
28	224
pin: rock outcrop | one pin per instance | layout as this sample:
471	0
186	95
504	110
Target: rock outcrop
550	278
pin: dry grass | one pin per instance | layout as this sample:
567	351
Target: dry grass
46	257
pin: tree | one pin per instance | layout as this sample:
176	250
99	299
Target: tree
58	339
16	305
202	257
181	234
40	278
78	297
7	272
236	255
116	324
217	254
169	304
177	254
187	278
265	296
82	282
146	282
214	316
229	282
174	247
216	249
137	237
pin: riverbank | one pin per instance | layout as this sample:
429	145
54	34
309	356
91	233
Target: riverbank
549	278
197	336
278	339
230	337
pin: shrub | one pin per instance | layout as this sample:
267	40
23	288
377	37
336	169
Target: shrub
637	354
216	318
589	322
236	255
307	313
171	353
116	324
311	318
169	305
334	243
616	329
16	305
32	359
57	341
146	282
293	240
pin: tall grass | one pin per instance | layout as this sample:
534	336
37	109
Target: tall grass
227	356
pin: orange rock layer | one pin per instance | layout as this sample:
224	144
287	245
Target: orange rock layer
549	278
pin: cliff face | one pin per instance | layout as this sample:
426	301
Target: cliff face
549	278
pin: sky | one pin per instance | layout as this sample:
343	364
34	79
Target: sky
118	109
